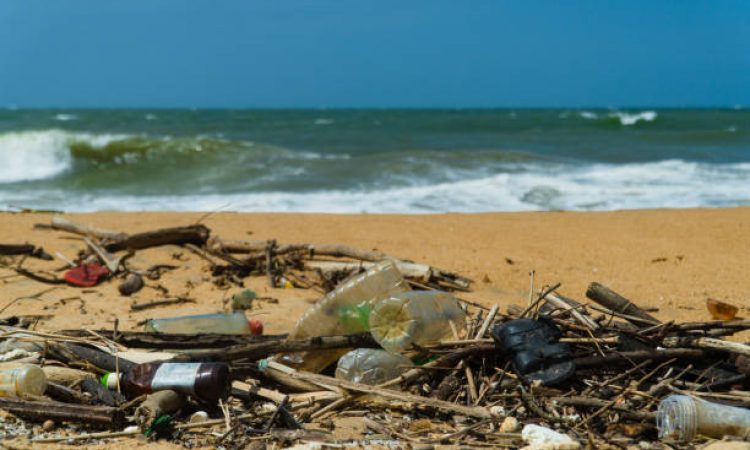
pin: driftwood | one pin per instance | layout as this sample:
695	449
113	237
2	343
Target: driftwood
137	339
708	343
588	362
257	251
160	302
114	241
64	394
75	353
24	249
260	350
44	410
614	301
596	403
63	224
392	396
192	234
421	272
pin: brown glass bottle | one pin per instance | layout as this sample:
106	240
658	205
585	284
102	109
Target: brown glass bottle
207	382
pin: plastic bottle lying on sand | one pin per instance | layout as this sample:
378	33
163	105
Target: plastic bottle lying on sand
23	381
371	366
220	323
345	310
681	418
208	382
416	317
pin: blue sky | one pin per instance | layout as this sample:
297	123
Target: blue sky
351	53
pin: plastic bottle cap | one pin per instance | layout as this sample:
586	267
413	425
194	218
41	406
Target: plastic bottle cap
256	327
109	380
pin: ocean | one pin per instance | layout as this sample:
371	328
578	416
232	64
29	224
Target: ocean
373	160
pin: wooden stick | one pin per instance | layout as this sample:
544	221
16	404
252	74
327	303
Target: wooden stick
588	362
138	339
560	302
24	249
475	411
43	410
614	301
487	322
261	350
162	302
63	224
708	343
111	261
191	234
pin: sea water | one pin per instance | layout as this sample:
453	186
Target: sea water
405	161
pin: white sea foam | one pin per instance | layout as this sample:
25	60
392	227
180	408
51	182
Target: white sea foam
663	184
323	121
632	119
66	117
588	115
36	155
150	117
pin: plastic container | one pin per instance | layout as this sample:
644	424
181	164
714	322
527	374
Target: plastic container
220	323
681	418
23	381
345	310
207	382
417	317
371	366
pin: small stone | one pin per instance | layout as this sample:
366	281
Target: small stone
509	425
497	411
48	425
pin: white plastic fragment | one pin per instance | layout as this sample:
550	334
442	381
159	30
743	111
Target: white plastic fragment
542	438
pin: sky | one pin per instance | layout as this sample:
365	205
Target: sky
380	53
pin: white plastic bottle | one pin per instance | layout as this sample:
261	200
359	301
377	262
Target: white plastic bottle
345	310
416	317
23	381
220	323
681	418
371	366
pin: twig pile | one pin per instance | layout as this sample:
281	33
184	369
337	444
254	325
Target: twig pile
465	392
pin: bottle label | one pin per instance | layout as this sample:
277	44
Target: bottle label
180	377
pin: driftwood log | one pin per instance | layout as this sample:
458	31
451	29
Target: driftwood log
114	241
260	350
617	303
65	412
138	339
24	249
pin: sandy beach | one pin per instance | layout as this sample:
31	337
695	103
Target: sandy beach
669	260
672	260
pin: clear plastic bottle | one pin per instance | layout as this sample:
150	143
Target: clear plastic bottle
208	382
681	418
371	366
23	381
344	310
220	323
416	317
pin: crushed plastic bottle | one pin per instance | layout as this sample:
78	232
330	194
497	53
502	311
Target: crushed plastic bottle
345	310
416	317
681	418
220	323
207	382
371	366
23	381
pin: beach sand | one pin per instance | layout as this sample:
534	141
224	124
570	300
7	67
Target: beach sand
672	260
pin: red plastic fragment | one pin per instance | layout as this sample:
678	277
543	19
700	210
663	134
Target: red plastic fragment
86	275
